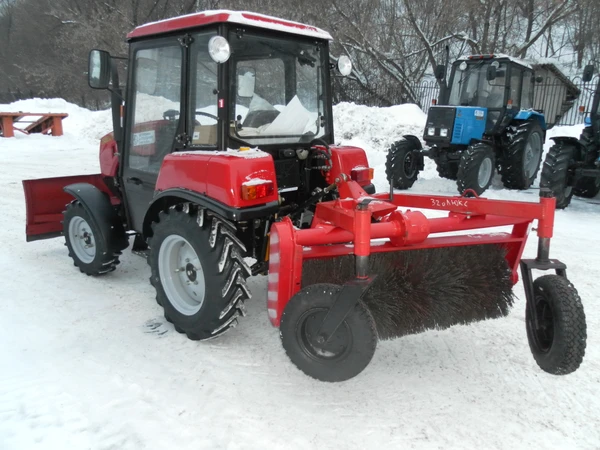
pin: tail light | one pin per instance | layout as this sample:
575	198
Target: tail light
255	189
582	109
434	101
361	174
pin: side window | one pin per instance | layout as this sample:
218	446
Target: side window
204	84
515	87
156	103
527	94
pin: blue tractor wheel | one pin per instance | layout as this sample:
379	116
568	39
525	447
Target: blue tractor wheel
522	157
404	162
476	168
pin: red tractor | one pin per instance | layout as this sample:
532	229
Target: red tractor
222	150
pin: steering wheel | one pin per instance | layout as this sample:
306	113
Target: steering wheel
200	113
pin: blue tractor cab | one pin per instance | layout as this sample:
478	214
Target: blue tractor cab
572	166
484	121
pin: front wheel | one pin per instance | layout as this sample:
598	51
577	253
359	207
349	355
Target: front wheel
88	248
476	169
403	162
198	272
347	352
556	330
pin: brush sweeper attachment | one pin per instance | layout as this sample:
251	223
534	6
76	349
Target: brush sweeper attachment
368	268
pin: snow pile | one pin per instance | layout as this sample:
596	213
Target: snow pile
375	130
81	123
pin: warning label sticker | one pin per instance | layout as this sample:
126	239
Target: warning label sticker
144	138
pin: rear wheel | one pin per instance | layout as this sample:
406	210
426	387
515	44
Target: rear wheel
198	272
476	168
402	164
348	351
557	330
555	173
521	160
87	246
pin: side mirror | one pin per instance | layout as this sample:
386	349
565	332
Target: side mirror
588	73
246	81
491	73
99	69
440	72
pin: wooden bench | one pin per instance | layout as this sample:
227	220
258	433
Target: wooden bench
45	123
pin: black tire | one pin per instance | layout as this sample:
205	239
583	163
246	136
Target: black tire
356	336
558	343
588	187
99	257
519	166
222	270
403	163
555	173
446	169
476	168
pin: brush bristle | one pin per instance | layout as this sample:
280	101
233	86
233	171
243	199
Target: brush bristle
419	290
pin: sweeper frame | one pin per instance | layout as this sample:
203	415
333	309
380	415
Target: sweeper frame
364	225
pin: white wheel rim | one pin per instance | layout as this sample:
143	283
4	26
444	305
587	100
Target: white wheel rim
181	275
485	172
533	151
82	239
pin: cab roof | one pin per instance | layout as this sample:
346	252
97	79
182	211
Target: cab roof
224	16
495	56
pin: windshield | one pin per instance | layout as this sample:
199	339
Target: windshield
470	87
279	90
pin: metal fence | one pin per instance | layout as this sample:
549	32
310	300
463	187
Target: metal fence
548	96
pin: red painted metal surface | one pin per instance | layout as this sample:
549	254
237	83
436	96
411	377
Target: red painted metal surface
344	159
109	160
218	175
339	229
285	269
45	201
45	123
206	18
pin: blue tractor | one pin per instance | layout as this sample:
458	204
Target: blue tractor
484	121
572	166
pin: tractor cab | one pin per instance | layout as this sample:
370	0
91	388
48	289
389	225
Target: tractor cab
485	93
225	83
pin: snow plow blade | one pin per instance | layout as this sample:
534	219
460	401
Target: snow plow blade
45	201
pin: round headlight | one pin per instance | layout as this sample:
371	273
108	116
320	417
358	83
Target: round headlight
219	49
344	65
463	66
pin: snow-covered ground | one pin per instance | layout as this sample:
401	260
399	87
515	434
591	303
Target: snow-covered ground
90	363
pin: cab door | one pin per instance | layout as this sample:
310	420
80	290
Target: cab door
153	119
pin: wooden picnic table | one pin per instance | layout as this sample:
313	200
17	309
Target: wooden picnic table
45	123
